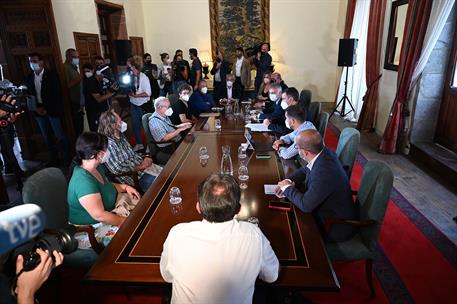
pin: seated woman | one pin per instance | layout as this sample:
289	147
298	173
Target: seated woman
91	197
122	157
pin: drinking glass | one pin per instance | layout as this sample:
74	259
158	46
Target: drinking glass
203	153
242	155
175	196
243	176
217	124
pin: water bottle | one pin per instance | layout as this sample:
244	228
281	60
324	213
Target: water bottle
226	163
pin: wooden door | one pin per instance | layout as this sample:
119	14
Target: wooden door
137	46
446	130
88	47
28	26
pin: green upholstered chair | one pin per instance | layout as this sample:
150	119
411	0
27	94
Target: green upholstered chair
348	145
372	199
158	156
173	98
313	112
305	98
47	188
322	122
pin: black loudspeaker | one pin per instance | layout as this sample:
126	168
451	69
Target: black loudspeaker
123	51
347	53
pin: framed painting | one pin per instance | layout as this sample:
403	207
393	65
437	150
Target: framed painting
234	23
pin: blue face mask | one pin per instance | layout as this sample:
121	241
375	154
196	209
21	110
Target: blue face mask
75	61
34	66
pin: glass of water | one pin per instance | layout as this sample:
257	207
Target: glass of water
243	176
175	196
242	155
217	124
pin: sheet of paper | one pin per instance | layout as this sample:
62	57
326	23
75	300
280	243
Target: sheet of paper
270	190
257	127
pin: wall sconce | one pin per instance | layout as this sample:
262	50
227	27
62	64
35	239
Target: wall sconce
205	58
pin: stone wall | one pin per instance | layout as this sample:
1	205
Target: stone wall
431	85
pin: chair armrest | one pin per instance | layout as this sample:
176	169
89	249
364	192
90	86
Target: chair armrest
133	174
98	248
329	222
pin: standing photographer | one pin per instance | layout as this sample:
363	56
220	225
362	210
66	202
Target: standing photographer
220	69
45	86
140	95
96	98
262	61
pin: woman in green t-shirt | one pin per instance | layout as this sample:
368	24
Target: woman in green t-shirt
90	195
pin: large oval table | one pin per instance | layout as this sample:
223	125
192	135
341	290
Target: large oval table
133	255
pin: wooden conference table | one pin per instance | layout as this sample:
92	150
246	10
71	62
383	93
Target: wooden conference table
133	255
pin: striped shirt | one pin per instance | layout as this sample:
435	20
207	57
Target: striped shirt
161	126
289	139
122	159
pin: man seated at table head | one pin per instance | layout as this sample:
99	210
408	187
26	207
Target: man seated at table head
200	101
290	97
327	193
296	121
161	127
273	110
227	91
218	259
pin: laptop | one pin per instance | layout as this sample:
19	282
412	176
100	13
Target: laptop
259	147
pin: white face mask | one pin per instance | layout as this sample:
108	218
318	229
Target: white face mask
284	104
75	61
35	66
302	156
229	84
287	124
185	97
273	97
169	112
123	127
204	90
89	74
105	157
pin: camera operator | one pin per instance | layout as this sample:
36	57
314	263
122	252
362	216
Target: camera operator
44	84
262	61
96	99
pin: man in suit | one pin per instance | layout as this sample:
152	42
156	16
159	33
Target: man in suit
242	70
262	62
220	69
74	86
276	78
289	98
327	193
45	86
227	89
273	110
200	101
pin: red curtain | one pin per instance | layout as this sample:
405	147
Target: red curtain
413	37
367	118
349	18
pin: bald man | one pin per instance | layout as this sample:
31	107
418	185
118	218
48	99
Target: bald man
328	193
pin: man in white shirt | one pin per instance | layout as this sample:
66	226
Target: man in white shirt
138	97
227	91
218	259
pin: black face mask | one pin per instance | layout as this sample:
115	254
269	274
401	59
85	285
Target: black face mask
148	62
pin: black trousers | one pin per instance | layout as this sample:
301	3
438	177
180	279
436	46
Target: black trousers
238	89
218	91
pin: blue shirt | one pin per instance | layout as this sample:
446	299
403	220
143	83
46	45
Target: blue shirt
200	103
289	139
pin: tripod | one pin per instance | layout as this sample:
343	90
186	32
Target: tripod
343	99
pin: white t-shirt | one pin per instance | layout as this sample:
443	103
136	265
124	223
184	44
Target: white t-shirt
216	262
142	86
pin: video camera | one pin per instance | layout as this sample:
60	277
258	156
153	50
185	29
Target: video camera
21	232
20	94
253	50
124	85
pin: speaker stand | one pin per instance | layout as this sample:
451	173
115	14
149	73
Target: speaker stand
344	99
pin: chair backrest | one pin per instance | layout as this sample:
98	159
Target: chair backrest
372	198
313	112
322	123
173	98
153	149
305	98
47	188
348	145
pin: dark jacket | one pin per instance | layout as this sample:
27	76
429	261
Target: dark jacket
275	113
200	103
263	65
225	69
51	92
328	193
